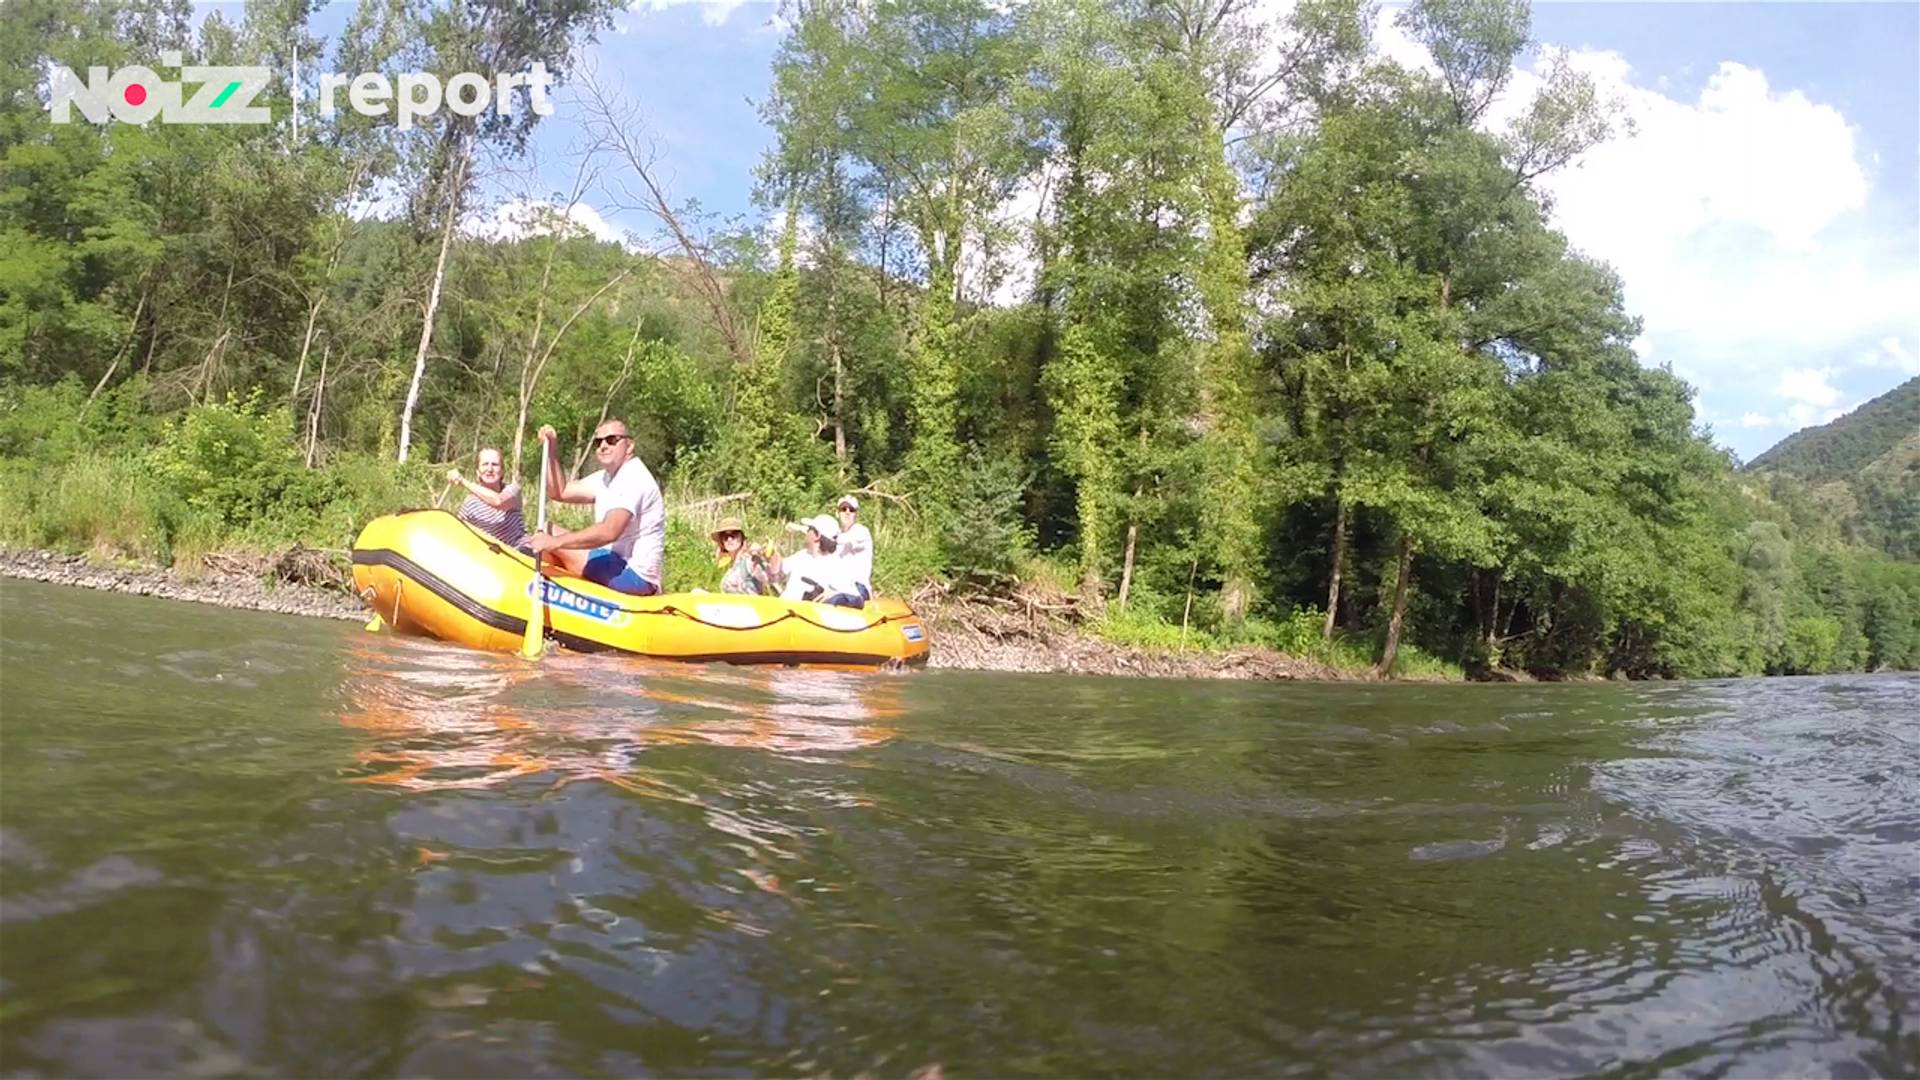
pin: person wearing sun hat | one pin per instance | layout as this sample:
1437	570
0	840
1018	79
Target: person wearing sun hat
855	547
744	567
814	573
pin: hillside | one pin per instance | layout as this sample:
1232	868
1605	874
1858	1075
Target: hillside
1842	449
1856	479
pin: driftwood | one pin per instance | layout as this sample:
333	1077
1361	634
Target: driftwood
319	568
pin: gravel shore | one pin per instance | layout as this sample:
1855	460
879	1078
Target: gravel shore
240	585
969	636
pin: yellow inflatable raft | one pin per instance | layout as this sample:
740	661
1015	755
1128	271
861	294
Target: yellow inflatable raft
426	572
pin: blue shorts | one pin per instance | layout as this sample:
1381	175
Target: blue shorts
606	567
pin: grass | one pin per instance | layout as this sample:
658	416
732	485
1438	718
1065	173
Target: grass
1298	635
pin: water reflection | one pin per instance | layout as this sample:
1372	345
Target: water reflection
437	718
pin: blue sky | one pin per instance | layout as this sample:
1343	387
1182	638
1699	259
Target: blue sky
1765	218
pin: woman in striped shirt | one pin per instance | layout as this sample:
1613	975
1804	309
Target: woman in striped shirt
492	506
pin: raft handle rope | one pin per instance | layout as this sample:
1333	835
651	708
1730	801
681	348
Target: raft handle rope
497	548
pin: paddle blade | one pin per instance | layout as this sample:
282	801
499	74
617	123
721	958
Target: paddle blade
534	645
374	624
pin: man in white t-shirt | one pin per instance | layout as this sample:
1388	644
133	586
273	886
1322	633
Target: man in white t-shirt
814	572
855	547
622	549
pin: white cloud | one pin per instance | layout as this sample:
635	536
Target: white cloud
1808	385
1755	420
712	12
517	219
1395	44
1734	220
1889	353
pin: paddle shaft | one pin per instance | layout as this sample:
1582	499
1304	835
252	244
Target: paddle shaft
535	642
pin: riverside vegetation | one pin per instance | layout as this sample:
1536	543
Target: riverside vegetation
1282	348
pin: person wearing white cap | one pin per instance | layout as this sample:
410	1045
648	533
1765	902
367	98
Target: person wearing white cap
814	573
855	547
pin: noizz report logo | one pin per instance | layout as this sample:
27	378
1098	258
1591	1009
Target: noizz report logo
136	95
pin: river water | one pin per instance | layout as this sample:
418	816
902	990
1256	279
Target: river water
234	843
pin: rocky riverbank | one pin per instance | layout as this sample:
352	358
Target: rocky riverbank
972	635
1012	635
234	581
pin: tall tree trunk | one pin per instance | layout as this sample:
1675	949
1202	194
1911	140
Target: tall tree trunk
526	364
313	414
1493	624
326	281
153	342
839	406
529	372
839	372
1133	522
1339	564
133	334
1394	623
1126	564
306	345
433	303
212	359
530	376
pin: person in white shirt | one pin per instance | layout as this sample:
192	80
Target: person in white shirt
622	549
855	546
814	572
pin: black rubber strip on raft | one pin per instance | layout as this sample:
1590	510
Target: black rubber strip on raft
479	612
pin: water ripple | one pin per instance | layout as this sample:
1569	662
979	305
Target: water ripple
268	846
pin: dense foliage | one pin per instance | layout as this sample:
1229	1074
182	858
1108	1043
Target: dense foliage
1234	329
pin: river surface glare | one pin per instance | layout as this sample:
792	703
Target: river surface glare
235	843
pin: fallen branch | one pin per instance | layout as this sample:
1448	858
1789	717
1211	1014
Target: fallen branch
876	493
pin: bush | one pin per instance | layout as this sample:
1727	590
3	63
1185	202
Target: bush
232	462
982	531
39	422
327	507
1296	635
1810	645
52	425
906	553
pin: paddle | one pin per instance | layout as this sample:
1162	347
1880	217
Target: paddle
535	644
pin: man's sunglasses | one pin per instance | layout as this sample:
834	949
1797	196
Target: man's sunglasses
605	440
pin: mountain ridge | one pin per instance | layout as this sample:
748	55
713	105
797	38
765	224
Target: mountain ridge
1872	437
